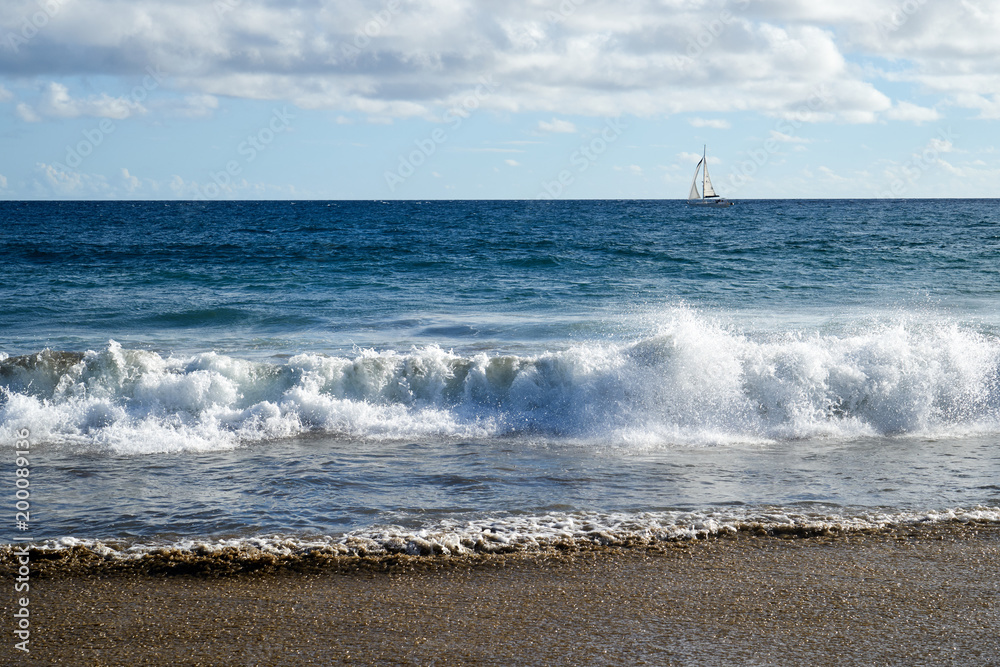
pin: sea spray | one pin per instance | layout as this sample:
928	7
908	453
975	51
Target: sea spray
692	381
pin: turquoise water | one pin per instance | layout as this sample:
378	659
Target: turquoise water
338	370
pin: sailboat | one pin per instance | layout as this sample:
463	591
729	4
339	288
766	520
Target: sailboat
707	196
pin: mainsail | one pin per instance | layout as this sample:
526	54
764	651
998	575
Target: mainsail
706	182
706	187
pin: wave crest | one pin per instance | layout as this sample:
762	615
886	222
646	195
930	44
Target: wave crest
692	382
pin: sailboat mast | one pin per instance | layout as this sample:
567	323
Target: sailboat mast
704	173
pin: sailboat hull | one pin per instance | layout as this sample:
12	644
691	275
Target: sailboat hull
711	203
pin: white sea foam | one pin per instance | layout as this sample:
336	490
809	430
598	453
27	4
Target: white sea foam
541	532
691	381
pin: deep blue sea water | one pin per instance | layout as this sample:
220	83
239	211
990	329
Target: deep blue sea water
398	374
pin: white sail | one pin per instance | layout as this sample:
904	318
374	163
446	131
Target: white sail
706	187
694	184
708	195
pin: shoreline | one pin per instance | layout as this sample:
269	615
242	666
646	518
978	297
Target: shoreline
273	554
925	595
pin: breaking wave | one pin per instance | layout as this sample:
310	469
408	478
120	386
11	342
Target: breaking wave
693	381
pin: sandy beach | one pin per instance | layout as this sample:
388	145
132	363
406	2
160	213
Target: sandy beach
929	596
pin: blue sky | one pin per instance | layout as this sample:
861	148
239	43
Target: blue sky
435	99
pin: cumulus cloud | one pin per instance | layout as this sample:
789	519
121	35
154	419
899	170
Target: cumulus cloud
419	57
130	182
937	145
27	114
55	181
56	102
556	125
989	107
911	112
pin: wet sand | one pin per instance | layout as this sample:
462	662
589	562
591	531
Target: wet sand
914	597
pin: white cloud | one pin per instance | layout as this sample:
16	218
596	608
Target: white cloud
5	95
937	145
714	123
237	189
633	169
3	182
788	138
989	109
424	56
56	102
416	61
183	189
556	125
131	183
831	175
56	182
512	163
908	111
27	114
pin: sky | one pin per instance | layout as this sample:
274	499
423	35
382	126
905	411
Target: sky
498	99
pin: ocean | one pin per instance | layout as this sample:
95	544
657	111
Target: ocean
477	376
